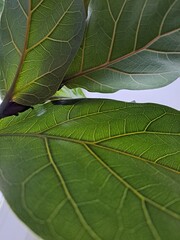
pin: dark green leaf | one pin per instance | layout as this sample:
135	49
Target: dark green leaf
99	169
130	44
1	6
38	41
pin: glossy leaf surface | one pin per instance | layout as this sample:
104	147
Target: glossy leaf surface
38	41
99	169
130	44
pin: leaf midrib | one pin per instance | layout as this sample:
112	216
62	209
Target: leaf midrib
10	92
39	43
80	216
109	63
95	144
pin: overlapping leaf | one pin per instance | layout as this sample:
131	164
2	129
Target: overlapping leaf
38	42
65	92
128	45
100	169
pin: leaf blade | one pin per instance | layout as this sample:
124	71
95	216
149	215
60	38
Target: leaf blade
129	43
106	170
35	58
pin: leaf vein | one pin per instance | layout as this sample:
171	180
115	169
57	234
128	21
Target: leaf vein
69	196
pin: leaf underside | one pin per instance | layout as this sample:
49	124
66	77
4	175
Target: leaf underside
128	45
99	169
38	40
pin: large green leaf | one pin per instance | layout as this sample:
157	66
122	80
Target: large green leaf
99	169
39	39
129	44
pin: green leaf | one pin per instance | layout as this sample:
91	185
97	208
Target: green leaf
128	45
1	6
39	39
99	169
65	92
